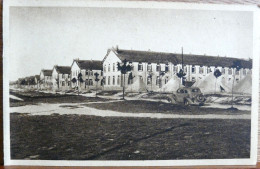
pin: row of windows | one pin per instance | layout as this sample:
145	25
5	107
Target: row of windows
116	81
63	83
176	69
88	73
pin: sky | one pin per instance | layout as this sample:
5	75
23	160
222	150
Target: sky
41	37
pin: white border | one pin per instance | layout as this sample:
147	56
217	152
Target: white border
131	4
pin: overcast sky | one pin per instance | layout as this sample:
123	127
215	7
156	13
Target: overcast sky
43	37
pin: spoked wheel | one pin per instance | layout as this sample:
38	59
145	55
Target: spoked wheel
200	98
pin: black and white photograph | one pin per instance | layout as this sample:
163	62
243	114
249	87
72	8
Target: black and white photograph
126	83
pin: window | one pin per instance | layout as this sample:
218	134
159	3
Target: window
68	83
105	68
104	80
193	79
166	80
63	83
230	71
140	67
201	70
237	72
114	67
68	76
175	69
114	80
118	79
223	70
149	80
108	68
108	80
90	82
63	76
193	69
166	68
149	67
131	65
157	80
208	70
158	67
86	82
185	69
90	73
244	71
101	73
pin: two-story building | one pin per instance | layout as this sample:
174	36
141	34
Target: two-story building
61	77
45	79
84	74
155	69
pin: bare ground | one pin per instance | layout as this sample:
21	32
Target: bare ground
81	137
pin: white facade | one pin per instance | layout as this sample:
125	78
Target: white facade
150	73
45	80
60	81
88	78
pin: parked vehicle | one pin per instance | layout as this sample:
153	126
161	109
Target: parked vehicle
187	96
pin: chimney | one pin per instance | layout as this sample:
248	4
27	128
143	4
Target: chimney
116	47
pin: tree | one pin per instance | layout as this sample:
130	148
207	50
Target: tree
96	79
151	78
160	80
236	67
130	79
80	80
124	68
217	73
181	74
58	81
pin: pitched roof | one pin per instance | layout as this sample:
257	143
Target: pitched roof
188	59
90	64
62	69
46	72
37	77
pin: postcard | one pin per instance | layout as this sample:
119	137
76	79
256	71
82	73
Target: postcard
130	83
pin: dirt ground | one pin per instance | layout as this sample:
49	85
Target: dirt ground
141	106
32	97
84	137
81	137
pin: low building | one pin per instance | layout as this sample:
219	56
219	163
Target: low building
155	69
61	77
84	73
46	79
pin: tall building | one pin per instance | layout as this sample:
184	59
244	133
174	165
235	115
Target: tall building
155	69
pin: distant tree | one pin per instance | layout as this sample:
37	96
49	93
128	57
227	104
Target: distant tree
162	73
130	78
124	68
96	79
151	78
181	74
80	80
236	67
58	81
23	82
217	74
